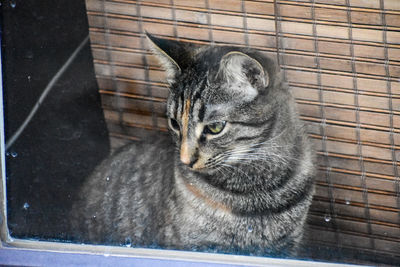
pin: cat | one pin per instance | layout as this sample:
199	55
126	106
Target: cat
236	176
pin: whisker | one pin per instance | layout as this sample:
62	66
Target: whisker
237	169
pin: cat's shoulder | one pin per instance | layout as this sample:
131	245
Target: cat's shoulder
133	160
150	146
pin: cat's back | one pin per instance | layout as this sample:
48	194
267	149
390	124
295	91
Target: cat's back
125	192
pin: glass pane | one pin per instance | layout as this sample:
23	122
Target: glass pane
210	155
67	136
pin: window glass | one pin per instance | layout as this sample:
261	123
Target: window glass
81	81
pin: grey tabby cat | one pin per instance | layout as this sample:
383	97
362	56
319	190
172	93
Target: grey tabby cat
237	176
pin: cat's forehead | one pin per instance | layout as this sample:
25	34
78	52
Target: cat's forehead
201	101
199	86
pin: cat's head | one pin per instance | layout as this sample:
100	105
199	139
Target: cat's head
220	105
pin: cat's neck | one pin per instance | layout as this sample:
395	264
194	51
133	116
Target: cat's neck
197	188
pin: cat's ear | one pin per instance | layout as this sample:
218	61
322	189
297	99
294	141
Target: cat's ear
245	73
173	55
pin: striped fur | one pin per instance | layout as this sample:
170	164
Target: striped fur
244	189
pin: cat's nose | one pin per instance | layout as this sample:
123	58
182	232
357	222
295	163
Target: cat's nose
185	158
187	154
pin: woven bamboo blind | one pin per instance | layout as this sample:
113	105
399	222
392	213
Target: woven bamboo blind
342	61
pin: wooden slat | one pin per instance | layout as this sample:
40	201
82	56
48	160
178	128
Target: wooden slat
342	95
350	208
371	83
134	120
294	10
332	97
371	69
349	115
351	240
266	26
133	86
352	181
349	132
292	57
377	230
373	109
293	44
361	34
310	112
383	169
373	198
332	113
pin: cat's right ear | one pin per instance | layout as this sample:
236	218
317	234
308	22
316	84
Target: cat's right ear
162	49
173	55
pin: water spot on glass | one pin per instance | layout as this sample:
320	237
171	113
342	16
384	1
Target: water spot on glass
13	3
12	154
76	134
128	242
327	217
29	54
26	206
249	228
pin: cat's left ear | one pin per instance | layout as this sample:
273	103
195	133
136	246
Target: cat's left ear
245	72
173	55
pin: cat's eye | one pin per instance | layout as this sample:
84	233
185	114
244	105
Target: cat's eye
215	128
174	124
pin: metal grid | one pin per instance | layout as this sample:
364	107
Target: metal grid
359	144
395	159
354	197
330	216
144	58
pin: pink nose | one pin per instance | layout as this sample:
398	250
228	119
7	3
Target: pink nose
185	153
185	158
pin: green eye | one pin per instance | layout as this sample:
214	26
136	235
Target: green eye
215	128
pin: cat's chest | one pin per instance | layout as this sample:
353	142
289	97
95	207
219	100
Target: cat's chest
199	226
197	206
201	220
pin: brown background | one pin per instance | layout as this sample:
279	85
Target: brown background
340	57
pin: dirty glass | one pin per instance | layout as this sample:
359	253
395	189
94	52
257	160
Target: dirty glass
66	137
70	101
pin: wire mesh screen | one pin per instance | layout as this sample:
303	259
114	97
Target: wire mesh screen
341	59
